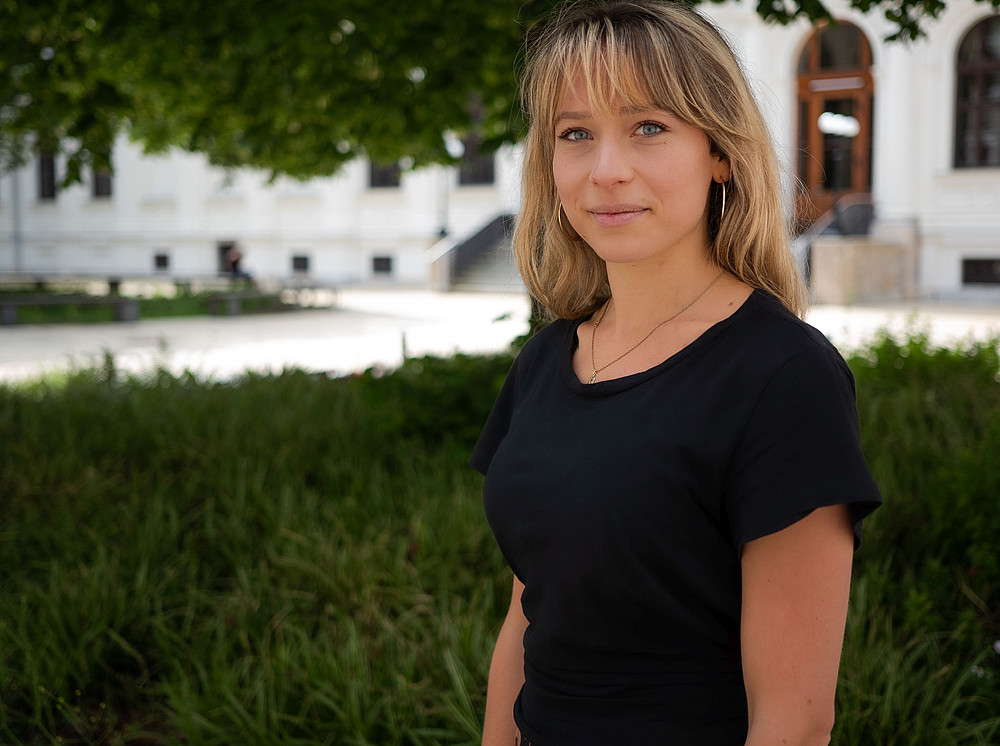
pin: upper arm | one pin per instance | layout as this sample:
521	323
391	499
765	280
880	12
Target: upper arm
796	584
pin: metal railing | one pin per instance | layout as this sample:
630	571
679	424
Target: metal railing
451	258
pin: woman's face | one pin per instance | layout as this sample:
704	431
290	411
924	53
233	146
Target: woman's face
633	183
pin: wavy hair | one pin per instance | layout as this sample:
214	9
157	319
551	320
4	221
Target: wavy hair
659	55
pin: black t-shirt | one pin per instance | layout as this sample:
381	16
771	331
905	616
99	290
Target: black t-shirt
623	506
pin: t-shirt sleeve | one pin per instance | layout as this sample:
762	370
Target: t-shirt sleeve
800	450
497	423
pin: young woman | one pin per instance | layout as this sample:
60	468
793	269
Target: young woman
673	468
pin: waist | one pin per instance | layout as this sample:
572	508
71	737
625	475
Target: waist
574	666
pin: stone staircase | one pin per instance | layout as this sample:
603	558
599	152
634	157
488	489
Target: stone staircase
484	263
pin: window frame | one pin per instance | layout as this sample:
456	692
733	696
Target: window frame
977	107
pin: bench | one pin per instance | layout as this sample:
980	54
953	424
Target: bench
125	309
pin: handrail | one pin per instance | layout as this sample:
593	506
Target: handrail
449	257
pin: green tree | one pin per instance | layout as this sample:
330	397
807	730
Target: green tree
295	88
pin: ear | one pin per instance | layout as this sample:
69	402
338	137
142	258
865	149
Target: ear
722	171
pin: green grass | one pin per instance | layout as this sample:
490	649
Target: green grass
297	560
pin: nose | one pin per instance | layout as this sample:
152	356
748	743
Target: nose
611	164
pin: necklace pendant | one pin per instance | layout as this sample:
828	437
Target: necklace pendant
593	376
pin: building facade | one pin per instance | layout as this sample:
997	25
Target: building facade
915	125
176	216
913	129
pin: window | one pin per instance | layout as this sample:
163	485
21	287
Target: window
840	47
300	263
46	176
977	99
102	184
476	167
161	262
383	175
981	271
382	265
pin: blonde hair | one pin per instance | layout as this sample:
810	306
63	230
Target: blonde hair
653	55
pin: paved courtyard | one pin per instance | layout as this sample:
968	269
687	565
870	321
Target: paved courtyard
372	326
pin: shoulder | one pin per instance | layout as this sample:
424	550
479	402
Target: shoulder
547	344
780	327
555	332
775	339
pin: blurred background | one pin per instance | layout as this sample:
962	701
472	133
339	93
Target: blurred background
256	300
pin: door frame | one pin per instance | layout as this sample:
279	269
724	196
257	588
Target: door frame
814	87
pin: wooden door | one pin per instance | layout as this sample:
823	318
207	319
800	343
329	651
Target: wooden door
835	97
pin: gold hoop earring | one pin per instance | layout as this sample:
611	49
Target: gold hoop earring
571	236
722	213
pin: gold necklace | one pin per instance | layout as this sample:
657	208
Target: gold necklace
593	362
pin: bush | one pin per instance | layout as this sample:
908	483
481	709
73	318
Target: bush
919	665
296	560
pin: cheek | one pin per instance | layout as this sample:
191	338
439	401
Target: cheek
561	176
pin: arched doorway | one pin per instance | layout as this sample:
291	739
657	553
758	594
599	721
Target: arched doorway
835	97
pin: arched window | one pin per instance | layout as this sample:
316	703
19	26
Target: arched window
977	100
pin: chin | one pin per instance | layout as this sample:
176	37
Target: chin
623	253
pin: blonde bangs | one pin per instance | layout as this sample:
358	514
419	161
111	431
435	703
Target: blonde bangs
618	69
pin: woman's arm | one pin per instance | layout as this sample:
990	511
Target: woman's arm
796	584
506	675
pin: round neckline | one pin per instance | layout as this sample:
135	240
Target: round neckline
622	383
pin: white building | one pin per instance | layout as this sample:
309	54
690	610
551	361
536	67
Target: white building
915	126
176	216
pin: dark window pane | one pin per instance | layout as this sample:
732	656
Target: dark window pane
382	265
991	38
161	261
990	139
837	156
838	143
970	49
991	88
476	167
839	46
966	87
46	176
965	139
383	175
300	263
476	171
981	271
102	183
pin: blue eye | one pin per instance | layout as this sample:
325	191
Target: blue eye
650	128
574	135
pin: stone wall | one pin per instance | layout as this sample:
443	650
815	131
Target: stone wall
847	270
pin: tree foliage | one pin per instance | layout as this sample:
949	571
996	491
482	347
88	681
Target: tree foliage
295	88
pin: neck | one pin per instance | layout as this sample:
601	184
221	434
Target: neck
644	295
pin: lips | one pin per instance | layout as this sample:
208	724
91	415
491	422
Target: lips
614	215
